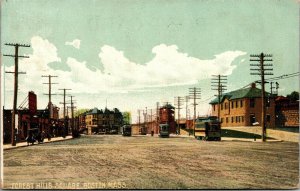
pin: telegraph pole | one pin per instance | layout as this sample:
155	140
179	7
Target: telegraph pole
178	103
16	72
271	88
151	119
277	87
261	71
139	118
49	94
64	103
72	116
157	115
217	83
194	93
186	109
146	117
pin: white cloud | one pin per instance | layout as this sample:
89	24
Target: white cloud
169	67
75	43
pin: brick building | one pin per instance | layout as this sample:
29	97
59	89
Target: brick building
166	115
107	121
91	120
28	118
242	107
287	112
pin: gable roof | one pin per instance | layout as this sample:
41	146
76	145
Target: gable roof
251	92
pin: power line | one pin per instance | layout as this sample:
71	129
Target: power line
284	76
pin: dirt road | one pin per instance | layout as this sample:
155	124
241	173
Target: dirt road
113	161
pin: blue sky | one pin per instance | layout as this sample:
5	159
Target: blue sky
135	53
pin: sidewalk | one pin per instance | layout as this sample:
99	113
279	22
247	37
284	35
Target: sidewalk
24	144
230	138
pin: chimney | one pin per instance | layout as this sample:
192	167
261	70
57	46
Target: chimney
253	85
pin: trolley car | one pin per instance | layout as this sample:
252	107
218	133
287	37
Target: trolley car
208	129
164	130
126	130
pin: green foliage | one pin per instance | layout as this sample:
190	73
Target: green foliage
294	96
80	111
127	117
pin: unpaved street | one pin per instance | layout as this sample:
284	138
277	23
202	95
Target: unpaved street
113	161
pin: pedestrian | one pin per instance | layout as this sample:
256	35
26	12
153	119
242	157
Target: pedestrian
48	136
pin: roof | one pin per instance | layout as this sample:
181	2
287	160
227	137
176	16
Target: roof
168	106
251	92
93	111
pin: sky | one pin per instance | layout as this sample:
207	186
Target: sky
134	53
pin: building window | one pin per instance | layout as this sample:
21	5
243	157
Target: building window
252	119
232	104
222	106
236	104
221	120
242	118
226	119
214	107
232	119
268	118
241	103
252	102
236	119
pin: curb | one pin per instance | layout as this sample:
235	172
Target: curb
20	146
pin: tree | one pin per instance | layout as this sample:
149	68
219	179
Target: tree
80	111
294	96
127	117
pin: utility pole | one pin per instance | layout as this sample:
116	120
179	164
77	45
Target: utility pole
186	109
157	115
64	103
139	118
16	72
151	119
49	94
217	83
72	116
178	103
261	71
277	87
194	93
139	121
146	117
68	110
271	88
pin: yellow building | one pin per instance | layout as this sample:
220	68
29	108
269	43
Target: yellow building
91	120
